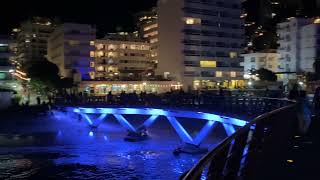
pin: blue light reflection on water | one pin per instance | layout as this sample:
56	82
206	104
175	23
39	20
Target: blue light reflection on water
79	152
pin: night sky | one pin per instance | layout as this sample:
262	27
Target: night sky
108	15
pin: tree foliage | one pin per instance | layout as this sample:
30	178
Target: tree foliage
266	75
45	77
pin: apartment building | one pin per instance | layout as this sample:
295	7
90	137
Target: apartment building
147	23
32	39
70	47
5	64
298	46
258	60
310	46
198	43
122	56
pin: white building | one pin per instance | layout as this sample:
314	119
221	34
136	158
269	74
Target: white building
70	47
310	46
148	30
258	60
290	38
5	64
32	39
120	58
198	43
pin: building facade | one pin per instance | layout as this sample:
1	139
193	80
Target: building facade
116	87
120	58
32	39
70	47
5	65
198	43
298	47
310	46
256	61
148	30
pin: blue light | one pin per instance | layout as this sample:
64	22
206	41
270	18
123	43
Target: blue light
171	115
91	134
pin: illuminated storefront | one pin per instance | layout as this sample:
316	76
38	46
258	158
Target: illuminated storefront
210	84
103	87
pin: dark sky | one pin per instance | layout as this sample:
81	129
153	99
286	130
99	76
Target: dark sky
108	15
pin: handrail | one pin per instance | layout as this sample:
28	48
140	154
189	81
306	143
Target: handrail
197	169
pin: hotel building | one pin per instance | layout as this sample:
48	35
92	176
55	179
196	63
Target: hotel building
299	40
32	39
122	56
198	43
258	60
70	47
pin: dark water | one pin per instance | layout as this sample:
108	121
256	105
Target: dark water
61	147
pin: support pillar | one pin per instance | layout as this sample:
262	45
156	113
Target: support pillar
136	134
191	146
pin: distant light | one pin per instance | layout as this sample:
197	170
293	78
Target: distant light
144	83
300	83
16	30
250	83
91	134
246	76
11	70
290	161
316	21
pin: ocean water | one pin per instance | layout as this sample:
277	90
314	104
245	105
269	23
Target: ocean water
60	146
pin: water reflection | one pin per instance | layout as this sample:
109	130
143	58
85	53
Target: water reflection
57	149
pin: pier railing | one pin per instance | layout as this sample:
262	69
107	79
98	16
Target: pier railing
254	150
243	106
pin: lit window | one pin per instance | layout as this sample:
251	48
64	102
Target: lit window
91	43
166	75
111	47
154	40
92	75
91	53
100	54
218	73
99	46
233	74
208	64
150	27
92	64
100	68
233	55
111	55
73	42
145	47
123	46
190	20
316	21
153	33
